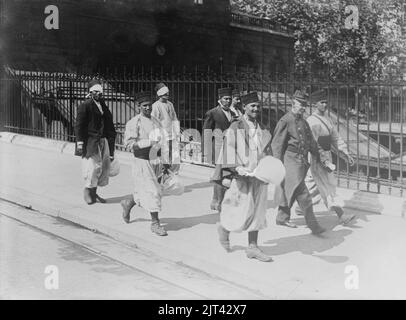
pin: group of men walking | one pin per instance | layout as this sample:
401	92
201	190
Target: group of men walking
244	151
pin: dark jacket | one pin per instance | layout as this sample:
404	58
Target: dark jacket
91	126
291	143
215	123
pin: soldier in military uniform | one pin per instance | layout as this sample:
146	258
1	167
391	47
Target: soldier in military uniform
292	142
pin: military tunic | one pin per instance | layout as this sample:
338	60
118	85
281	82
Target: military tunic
292	142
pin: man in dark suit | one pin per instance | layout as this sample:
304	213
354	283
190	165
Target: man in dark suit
217	120
95	136
235	106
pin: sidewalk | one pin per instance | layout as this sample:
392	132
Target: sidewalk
304	266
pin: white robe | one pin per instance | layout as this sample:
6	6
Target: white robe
245	202
147	190
326	181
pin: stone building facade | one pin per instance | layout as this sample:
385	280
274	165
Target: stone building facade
94	34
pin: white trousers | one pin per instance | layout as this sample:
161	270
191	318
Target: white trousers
147	190
96	169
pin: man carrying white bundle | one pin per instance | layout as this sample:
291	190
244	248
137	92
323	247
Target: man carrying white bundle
142	136
245	146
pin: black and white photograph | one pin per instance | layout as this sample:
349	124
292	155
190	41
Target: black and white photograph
202	150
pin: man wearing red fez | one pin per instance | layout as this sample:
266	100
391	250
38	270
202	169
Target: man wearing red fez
236	103
246	143
143	135
217	120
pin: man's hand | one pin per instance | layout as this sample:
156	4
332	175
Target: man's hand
111	158
144	143
79	148
351	160
242	171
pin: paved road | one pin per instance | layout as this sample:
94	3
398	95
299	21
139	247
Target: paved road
25	253
371	248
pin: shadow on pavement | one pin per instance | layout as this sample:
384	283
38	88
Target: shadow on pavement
307	244
174	224
118	199
199	185
325	219
188	188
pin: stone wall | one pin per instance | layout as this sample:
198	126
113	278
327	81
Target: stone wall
95	34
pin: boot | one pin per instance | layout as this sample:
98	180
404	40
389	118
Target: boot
87	195
215	207
97	197
158	229
283	217
253	252
127	204
318	230
345	218
312	223
224	237
299	211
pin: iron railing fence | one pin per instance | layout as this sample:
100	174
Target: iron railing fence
369	116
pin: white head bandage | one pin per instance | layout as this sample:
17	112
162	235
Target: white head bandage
96	87
162	91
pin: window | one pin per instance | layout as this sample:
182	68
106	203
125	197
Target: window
198	1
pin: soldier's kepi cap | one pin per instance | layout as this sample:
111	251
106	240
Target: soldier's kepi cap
299	96
321	101
224	92
236	93
143	96
251	97
161	89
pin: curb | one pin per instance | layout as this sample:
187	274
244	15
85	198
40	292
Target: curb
35	202
353	199
168	270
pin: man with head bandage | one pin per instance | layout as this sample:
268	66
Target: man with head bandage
164	111
95	136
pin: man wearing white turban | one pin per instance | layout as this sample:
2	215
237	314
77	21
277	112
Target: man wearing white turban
164	111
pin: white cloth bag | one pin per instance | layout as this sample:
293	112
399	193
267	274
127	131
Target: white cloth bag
114	168
172	184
